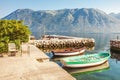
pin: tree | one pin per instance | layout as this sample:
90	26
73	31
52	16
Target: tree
12	31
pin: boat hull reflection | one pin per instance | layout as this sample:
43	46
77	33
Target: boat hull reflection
101	67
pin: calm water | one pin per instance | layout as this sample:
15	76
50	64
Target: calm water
102	44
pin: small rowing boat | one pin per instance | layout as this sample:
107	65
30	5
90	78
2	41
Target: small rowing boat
70	52
85	60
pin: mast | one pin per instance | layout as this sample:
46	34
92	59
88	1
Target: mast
44	30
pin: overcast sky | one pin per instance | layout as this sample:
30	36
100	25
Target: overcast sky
8	6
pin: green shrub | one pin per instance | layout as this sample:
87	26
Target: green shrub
12	31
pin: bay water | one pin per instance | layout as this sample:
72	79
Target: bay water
102	43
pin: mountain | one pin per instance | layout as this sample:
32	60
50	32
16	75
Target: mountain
115	15
85	20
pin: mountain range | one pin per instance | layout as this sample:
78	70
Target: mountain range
85	20
115	15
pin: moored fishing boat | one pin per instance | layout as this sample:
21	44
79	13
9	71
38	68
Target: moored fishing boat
85	60
69	52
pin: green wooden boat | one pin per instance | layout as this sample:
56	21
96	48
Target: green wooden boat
85	60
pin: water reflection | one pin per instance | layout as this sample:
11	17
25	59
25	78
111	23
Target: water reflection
98	68
115	55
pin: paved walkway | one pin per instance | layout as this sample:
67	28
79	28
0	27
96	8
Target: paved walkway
33	52
26	67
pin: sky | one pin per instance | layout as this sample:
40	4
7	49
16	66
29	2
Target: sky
8	6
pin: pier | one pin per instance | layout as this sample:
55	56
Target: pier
115	45
32	66
54	42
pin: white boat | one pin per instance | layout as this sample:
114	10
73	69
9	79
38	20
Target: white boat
69	52
98	68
